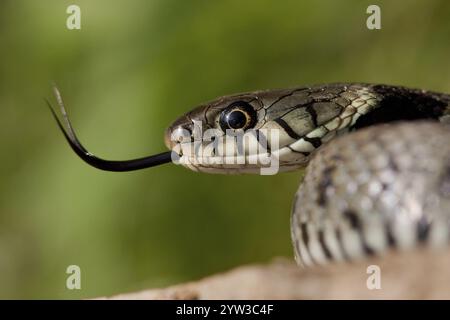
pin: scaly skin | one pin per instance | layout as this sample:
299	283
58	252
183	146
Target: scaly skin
384	186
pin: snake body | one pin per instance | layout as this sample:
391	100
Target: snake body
365	191
377	157
383	187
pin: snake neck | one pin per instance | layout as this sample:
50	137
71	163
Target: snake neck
363	105
400	103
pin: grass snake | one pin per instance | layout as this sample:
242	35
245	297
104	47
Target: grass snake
377	158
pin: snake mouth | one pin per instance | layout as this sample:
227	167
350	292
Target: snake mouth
107	165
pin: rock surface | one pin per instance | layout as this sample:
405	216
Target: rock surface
413	275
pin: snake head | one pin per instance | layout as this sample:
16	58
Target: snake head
234	134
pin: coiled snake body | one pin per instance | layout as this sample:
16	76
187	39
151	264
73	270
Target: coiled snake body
378	159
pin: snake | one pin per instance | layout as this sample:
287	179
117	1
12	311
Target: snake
376	161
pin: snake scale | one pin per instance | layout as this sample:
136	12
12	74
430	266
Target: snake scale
377	158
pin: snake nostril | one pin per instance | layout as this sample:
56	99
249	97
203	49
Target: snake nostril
167	138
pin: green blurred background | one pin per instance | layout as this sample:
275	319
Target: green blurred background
130	71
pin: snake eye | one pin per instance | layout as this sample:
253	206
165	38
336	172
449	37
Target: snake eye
238	115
